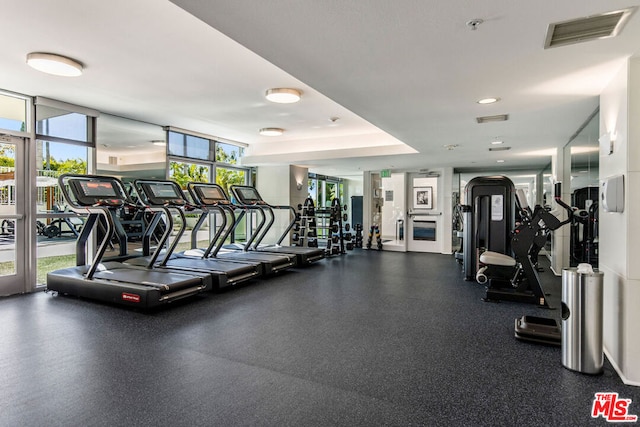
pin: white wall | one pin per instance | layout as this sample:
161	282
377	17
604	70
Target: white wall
620	232
278	185
354	186
298	185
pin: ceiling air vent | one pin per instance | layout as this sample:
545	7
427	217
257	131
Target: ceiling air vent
498	118
499	148
592	27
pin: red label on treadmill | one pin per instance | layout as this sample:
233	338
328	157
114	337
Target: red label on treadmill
130	297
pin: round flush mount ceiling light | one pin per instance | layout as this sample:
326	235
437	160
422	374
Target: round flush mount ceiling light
488	100
54	64
283	95
271	131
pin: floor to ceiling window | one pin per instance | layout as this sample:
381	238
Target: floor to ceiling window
65	141
324	189
196	158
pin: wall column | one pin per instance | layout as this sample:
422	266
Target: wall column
620	231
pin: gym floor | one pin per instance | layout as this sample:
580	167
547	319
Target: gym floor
368	338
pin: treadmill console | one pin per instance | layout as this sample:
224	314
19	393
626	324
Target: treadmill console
247	195
210	194
159	193
92	192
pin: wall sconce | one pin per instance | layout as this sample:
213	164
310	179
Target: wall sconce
606	142
299	186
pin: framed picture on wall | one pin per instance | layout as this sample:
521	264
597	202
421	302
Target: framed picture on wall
423	197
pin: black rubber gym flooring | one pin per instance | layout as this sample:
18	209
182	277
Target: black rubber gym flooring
369	338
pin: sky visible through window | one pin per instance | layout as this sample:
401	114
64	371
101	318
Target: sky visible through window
15	125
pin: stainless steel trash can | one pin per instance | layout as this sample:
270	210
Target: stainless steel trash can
582	348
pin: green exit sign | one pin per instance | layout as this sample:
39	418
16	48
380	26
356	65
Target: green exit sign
385	173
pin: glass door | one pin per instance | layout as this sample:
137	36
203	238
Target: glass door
12	216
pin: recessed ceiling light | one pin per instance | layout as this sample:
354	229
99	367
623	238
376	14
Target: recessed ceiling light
488	100
283	95
54	64
271	131
159	142
500	161
496	142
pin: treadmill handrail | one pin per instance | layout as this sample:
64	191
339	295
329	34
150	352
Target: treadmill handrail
292	223
224	210
178	204
222	205
267	226
270	208
257	203
259	226
102	207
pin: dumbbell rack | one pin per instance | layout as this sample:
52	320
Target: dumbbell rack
358	236
330	228
348	237
305	231
313	225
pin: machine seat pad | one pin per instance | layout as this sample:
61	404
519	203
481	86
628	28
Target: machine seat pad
496	258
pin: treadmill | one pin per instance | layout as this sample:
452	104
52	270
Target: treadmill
248	196
164	197
212	198
101	197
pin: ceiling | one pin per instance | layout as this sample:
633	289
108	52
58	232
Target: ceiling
402	78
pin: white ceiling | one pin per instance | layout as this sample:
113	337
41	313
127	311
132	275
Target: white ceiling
402	77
